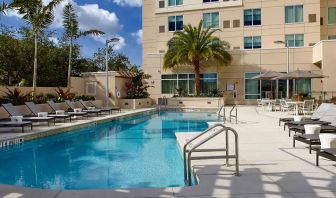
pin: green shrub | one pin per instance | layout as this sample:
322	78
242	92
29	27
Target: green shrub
84	98
137	88
43	98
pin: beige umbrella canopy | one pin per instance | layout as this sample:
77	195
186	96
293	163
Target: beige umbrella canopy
267	75
297	75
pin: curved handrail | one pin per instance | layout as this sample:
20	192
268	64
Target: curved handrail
235	116
195	147
191	140
187	154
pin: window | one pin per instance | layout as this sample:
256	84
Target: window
211	20
252	87
332	15
161	4
236	23
303	87
294	14
312	18
208	1
295	40
170	82
252	42
161	29
208	82
91	88
226	24
252	17
332	37
175	23
175	2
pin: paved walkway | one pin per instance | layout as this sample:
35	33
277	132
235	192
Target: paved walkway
270	167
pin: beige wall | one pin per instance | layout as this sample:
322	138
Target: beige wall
116	84
77	87
328	60
327	29
135	103
271	57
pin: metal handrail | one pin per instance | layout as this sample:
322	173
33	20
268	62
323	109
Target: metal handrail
187	159
189	142
164	103
219	112
236	113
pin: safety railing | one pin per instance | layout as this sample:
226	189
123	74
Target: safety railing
219	112
162	102
234	113
212	132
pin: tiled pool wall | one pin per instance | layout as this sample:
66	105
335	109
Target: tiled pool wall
64	129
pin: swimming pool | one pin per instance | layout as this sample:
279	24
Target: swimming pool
136	152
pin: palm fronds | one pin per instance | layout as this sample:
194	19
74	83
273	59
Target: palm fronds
195	46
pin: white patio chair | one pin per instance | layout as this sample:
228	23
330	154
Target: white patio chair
285	107
308	107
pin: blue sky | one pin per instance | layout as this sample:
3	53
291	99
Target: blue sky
121	18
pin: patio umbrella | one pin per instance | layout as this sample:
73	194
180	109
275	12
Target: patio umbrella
298	75
268	76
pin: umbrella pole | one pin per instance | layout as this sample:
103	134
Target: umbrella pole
272	90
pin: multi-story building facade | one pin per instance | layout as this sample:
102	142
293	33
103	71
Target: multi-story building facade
253	28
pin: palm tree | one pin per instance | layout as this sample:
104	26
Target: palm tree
3	7
39	17
195	46
70	23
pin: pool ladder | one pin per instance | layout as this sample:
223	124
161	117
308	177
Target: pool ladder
162	102
207	135
233	113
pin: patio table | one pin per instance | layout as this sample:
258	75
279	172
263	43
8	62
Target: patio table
296	104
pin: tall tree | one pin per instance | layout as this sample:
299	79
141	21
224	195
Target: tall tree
39	17
3	7
116	61
70	23
195	46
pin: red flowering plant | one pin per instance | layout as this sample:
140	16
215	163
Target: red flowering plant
137	87
64	94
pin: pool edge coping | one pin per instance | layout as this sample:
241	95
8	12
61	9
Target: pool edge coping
76	126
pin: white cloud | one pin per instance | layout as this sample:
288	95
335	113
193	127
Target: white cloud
130	3
54	40
90	16
138	36
12	13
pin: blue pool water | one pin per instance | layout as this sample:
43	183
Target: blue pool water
135	152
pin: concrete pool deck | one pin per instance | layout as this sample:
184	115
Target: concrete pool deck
42	129
269	165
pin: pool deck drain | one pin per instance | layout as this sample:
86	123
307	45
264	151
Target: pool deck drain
270	167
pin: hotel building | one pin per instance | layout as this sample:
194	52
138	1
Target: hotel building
253	28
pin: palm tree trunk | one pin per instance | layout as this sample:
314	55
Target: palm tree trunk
69	67
197	77
35	67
